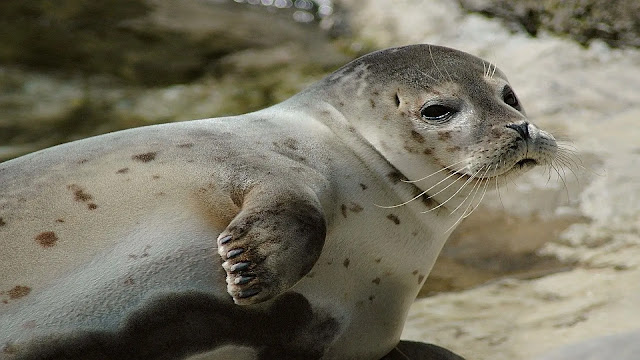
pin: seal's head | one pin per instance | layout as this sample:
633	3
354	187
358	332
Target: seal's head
442	113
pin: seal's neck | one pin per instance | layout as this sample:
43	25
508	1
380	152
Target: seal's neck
366	119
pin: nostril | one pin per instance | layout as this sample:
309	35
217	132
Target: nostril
522	129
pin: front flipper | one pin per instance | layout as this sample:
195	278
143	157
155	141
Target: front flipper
272	243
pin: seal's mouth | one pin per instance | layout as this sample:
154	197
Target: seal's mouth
526	163
523	164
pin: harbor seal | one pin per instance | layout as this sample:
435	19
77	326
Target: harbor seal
288	233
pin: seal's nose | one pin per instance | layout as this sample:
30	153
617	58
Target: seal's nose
522	129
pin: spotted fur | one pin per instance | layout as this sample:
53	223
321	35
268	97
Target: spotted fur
267	235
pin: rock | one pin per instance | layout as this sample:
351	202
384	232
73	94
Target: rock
154	42
617	23
619	347
83	68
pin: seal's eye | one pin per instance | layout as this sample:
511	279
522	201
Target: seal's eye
436	112
509	97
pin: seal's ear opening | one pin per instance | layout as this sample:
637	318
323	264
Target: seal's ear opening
397	98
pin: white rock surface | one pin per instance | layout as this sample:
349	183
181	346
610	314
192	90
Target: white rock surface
590	96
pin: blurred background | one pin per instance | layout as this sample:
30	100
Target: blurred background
551	259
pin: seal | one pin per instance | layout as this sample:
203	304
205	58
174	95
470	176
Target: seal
291	232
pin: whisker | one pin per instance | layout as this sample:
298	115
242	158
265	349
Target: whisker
434	63
454	194
472	189
498	190
422	193
484	192
475	192
425	74
448	168
450	197
566	164
562	179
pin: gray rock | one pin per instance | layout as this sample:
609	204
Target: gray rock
615	22
614	347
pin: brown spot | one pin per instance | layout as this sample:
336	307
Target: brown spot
341	103
186	145
146	157
378	260
496	134
79	194
83	161
92	206
47	239
291	143
428	202
394	219
371	297
373	103
343	209
410	149
396	176
2	222
444	135
356	208
417	136
375	92
363	186
346	262
9	348
155	177
18	292
59	220
122	171
427	151
31	324
129	281
415	272
5	301
420	278
376	281
453	148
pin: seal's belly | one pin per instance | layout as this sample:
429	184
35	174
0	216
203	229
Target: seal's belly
164	277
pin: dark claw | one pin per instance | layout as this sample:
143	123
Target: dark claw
243	279
233	253
247	293
239	266
225	239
